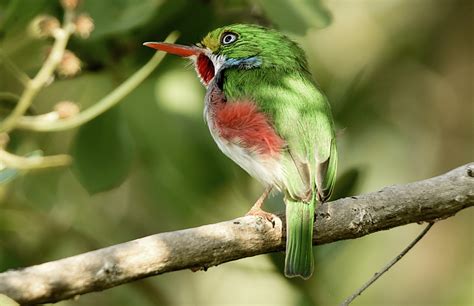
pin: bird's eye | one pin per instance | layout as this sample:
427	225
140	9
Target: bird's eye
228	38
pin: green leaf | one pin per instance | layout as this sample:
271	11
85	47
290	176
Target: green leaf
103	152
14	13
296	16
120	15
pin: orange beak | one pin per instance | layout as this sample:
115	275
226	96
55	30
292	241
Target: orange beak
176	49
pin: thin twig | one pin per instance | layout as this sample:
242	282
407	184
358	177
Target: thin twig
114	97
44	74
17	72
9	96
387	267
9	160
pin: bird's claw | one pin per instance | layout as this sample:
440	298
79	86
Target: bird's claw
262	214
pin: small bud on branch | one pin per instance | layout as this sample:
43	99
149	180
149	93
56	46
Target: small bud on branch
70	4
43	26
84	25
70	65
66	109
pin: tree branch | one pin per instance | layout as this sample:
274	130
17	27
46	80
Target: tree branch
210	245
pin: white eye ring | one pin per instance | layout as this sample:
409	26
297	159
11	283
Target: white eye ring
228	38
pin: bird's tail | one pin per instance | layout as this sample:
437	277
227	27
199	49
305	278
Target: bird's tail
299	239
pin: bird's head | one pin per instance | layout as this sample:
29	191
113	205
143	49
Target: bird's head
238	46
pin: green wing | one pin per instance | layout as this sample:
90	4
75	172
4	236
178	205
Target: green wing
301	115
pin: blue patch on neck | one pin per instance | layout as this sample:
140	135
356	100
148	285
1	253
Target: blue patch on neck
243	63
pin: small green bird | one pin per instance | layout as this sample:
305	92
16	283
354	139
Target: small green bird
266	114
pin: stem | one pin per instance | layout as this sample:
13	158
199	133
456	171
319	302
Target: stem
34	86
9	96
20	75
377	275
102	105
9	160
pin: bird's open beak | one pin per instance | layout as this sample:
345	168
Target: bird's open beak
204	65
176	49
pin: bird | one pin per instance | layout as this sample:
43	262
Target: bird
267	114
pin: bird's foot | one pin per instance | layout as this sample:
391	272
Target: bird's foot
262	214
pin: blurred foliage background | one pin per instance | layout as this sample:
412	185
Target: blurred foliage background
398	73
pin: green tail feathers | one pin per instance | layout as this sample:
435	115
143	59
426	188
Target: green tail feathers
299	239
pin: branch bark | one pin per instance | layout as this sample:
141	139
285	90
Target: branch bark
210	245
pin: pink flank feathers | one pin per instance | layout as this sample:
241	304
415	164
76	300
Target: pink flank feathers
242	122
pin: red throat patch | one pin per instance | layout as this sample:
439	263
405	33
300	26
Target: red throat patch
205	68
242	121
